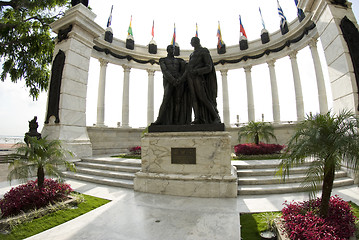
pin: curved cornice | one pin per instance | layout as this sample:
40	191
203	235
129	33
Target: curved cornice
300	33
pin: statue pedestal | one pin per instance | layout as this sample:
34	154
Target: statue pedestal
195	164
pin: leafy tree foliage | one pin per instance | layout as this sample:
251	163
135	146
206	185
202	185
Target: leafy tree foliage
26	45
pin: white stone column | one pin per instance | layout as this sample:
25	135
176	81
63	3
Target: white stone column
226	118
126	97
322	93
71	128
297	86
101	94
327	15
150	97
250	98
274	88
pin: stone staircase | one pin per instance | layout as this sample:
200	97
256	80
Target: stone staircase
118	172
255	177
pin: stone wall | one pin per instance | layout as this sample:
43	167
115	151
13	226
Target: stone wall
107	140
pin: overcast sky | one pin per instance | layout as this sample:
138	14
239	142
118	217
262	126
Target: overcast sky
17	108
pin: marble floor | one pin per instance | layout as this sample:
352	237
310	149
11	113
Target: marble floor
133	215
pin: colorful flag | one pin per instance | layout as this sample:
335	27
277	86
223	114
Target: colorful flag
281	15
219	35
173	42
241	28
196	30
130	28
153	29
260	12
299	11
110	18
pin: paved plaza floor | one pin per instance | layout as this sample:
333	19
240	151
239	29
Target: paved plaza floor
133	215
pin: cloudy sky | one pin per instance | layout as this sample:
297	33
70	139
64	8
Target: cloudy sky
17	108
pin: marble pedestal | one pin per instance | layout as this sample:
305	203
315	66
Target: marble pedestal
194	164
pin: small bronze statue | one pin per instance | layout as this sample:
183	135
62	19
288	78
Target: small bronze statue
33	125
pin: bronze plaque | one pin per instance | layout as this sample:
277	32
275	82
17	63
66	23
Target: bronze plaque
183	155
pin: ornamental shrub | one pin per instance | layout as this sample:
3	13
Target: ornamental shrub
135	150
302	220
257	149
28	196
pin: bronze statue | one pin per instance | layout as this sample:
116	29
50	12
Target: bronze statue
33	125
84	2
202	81
176	107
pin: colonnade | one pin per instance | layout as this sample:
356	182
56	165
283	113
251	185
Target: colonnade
322	97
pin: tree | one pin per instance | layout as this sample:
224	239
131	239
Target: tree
26	45
328	141
41	156
256	131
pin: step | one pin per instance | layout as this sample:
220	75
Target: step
284	188
260	164
100	180
114	161
268	171
131	169
106	173
266	180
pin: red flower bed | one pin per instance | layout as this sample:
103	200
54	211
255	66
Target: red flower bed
260	149
28	196
302	221
135	150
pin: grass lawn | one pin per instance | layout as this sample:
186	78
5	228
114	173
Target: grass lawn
254	223
48	221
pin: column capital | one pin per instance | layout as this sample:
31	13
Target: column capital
224	72
151	72
313	43
293	55
126	68
271	62
103	62
248	68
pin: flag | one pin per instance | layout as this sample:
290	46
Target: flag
110	18
219	35
260	12
130	28
299	11
241	28
173	42
153	29
281	15
196	30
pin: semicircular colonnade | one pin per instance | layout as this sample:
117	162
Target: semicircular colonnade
86	40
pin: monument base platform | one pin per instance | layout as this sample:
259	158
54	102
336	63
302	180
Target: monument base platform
196	164
191	185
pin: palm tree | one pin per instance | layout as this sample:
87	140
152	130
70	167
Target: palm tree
256	131
329	141
41	156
